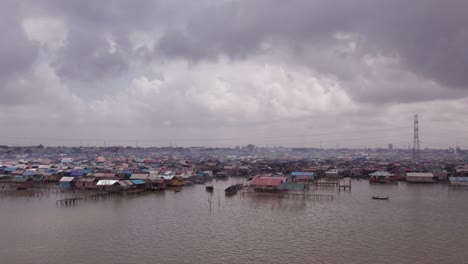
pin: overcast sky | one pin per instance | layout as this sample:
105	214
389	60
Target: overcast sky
297	73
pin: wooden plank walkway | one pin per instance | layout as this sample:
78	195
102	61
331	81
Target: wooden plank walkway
345	185
85	198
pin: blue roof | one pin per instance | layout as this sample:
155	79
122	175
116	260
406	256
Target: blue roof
300	173
9	169
76	173
20	179
30	173
138	182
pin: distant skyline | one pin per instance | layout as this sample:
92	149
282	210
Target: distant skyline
298	73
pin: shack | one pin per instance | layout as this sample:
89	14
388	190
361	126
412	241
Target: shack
459	181
299	176
86	183
67	182
21	182
382	177
420	177
332	174
140	184
267	183
109	185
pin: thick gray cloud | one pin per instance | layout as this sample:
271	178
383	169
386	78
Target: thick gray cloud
17	54
232	66
428	36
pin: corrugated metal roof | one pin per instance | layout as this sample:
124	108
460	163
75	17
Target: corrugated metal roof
19	179
128	182
82	179
76	173
123	183
138	182
268	181
300	173
139	176
420	174
106	182
67	179
30	173
458	179
381	174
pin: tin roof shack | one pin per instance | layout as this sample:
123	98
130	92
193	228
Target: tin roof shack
9	170
21	182
267	183
441	175
382	177
172	180
67	182
420	177
139	176
141	184
86	183
177	181
459	181
51	175
332	174
157	184
299	176
126	184
109	185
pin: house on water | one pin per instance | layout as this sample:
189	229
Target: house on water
382	177
67	182
267	183
299	176
86	183
420	177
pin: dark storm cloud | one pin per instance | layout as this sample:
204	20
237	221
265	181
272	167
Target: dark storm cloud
430	37
88	57
17	54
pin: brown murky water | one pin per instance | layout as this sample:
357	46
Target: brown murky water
419	224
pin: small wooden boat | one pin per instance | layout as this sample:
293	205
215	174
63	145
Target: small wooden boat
188	183
231	190
177	189
380	198
209	188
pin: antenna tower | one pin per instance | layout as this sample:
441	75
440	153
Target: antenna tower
416	139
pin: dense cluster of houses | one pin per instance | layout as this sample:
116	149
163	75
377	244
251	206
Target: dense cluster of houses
141	169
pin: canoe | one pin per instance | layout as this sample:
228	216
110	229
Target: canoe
380	198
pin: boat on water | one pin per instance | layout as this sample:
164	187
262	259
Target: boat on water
380	198
209	188
188	183
231	190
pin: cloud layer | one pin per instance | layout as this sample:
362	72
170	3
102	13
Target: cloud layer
225	73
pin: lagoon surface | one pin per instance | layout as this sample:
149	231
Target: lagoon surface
419	224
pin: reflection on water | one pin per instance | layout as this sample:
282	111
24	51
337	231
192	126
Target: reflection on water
419	224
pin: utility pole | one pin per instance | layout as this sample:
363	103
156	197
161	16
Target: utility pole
416	142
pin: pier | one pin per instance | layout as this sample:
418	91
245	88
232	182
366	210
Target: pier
85	198
344	185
